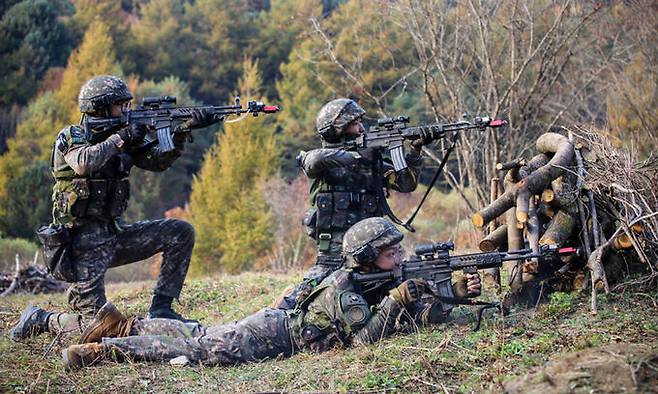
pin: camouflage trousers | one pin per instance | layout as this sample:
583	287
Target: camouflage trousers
263	335
97	246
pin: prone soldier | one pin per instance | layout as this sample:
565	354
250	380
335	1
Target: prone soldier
338	312
91	192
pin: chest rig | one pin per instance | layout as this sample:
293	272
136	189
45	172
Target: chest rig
101	195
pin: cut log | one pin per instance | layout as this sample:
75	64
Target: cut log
532	267
545	210
534	164
493	194
538	180
622	241
511	164
548	196
495	240
559	229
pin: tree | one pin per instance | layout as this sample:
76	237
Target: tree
27	204
95	56
34	137
32	39
228	211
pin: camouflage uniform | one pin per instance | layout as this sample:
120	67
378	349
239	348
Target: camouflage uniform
338	312
345	186
91	193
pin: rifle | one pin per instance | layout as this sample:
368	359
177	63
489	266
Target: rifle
390	133
433	263
160	114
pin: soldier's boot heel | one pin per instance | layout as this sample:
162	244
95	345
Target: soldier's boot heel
108	322
33	321
80	356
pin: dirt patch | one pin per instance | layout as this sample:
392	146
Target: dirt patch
617	368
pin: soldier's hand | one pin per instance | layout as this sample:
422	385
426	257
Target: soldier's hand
468	286
200	118
133	133
409	291
426	137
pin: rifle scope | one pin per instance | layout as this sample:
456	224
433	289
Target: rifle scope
430	249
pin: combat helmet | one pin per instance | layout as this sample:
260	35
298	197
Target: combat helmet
334	116
364	241
100	92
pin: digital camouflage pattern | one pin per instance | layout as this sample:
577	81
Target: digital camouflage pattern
99	246
334	116
338	313
377	232
263	335
100	92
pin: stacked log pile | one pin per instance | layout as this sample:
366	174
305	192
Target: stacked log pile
577	191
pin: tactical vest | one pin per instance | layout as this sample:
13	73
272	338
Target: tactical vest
345	196
101	195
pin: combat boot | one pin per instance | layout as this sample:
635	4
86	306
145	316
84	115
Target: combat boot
161	309
108	322
85	355
33	322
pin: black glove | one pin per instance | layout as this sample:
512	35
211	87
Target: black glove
200	118
133	133
409	291
426	136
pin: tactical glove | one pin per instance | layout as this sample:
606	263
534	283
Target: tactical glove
200	118
133	133
426	136
409	291
467	287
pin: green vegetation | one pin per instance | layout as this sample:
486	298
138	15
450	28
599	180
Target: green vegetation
449	356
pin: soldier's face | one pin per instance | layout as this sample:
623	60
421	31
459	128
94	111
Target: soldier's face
355	128
119	109
389	258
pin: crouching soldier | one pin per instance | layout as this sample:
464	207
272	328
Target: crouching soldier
91	169
338	312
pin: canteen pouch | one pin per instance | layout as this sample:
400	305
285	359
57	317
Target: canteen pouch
55	241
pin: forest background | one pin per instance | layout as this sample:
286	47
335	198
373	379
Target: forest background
539	64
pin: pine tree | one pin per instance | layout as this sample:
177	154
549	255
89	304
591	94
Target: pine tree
229	213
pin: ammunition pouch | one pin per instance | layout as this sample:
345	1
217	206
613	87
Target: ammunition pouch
82	197
119	201
340	210
55	241
310	221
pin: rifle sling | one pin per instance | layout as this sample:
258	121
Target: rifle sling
389	212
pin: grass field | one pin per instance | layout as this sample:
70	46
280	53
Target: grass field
445	358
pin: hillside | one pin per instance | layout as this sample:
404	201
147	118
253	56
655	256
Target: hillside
449	357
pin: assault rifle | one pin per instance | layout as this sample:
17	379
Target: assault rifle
433	263
160	114
390	133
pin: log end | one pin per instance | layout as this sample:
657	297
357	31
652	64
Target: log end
548	195
521	216
487	245
478	220
622	241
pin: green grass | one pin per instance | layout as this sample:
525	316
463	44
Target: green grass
445	357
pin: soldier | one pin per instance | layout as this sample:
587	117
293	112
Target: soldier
338	312
345	186
91	191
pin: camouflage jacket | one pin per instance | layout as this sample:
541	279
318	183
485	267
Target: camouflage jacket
346	186
91	180
340	311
